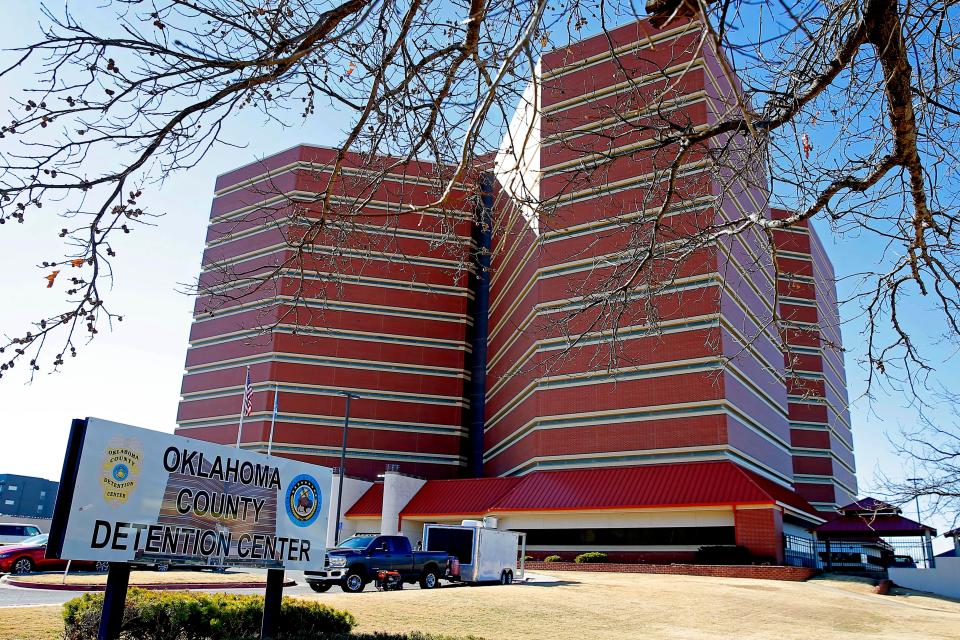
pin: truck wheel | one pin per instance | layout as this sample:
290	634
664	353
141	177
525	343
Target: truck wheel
430	579
319	587
508	578
353	582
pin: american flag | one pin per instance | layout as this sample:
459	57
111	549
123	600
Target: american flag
247	396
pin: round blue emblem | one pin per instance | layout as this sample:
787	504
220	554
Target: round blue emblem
120	472
303	500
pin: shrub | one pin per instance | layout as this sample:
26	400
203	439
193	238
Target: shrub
176	615
552	559
527	558
590	556
723	555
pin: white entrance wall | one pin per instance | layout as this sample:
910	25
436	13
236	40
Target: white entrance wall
398	489
361	526
943	581
352	490
721	517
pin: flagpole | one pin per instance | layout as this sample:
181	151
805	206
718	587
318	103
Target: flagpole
273	418
243	407
240	427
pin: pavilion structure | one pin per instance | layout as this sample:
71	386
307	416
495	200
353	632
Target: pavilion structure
870	522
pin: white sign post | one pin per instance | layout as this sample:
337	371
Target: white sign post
135	495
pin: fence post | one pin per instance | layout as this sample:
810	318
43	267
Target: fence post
928	549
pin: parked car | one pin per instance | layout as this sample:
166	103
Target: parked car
30	555
12	533
903	562
354	563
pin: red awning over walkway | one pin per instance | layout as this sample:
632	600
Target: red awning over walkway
467	497
679	485
369	505
868	526
687	484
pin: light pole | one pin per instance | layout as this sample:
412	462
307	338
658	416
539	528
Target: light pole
916	494
916	498
343	462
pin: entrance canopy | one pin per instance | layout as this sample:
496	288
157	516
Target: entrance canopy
869	519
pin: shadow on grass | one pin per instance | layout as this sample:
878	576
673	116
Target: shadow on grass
416	635
558	583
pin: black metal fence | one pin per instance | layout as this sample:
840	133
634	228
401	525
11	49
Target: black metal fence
872	557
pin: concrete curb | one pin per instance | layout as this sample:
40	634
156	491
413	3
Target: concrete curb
26	584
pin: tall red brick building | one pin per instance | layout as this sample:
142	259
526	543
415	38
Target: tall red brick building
705	428
377	307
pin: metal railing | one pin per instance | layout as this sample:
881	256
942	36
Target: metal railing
871	557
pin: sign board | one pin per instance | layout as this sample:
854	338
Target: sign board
136	495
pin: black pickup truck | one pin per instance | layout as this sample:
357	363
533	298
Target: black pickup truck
355	562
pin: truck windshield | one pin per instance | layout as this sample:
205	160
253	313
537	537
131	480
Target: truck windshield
355	543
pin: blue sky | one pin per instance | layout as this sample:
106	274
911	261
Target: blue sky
133	374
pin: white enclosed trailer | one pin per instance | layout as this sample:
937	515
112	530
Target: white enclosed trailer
484	553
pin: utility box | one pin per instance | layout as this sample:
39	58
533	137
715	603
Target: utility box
483	553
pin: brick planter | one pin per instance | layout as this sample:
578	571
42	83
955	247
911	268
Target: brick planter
760	572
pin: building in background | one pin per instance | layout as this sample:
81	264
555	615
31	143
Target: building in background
706	430
27	496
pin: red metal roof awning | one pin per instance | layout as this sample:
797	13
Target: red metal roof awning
869	505
467	497
857	527
370	504
686	484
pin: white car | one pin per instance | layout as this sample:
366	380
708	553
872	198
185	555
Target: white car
12	533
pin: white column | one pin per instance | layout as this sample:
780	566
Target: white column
398	489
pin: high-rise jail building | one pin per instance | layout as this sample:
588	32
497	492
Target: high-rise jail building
378	306
638	407
824	470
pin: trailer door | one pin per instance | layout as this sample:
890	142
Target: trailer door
454	541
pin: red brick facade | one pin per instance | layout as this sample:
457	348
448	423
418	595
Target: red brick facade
376	305
760	531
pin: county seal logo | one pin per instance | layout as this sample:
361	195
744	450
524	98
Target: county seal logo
303	500
121	468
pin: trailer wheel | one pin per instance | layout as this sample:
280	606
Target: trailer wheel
319	587
430	579
353	582
503	577
508	578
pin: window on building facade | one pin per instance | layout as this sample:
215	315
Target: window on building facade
8	502
12	487
43	494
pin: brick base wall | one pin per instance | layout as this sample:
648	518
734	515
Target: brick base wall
759	572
